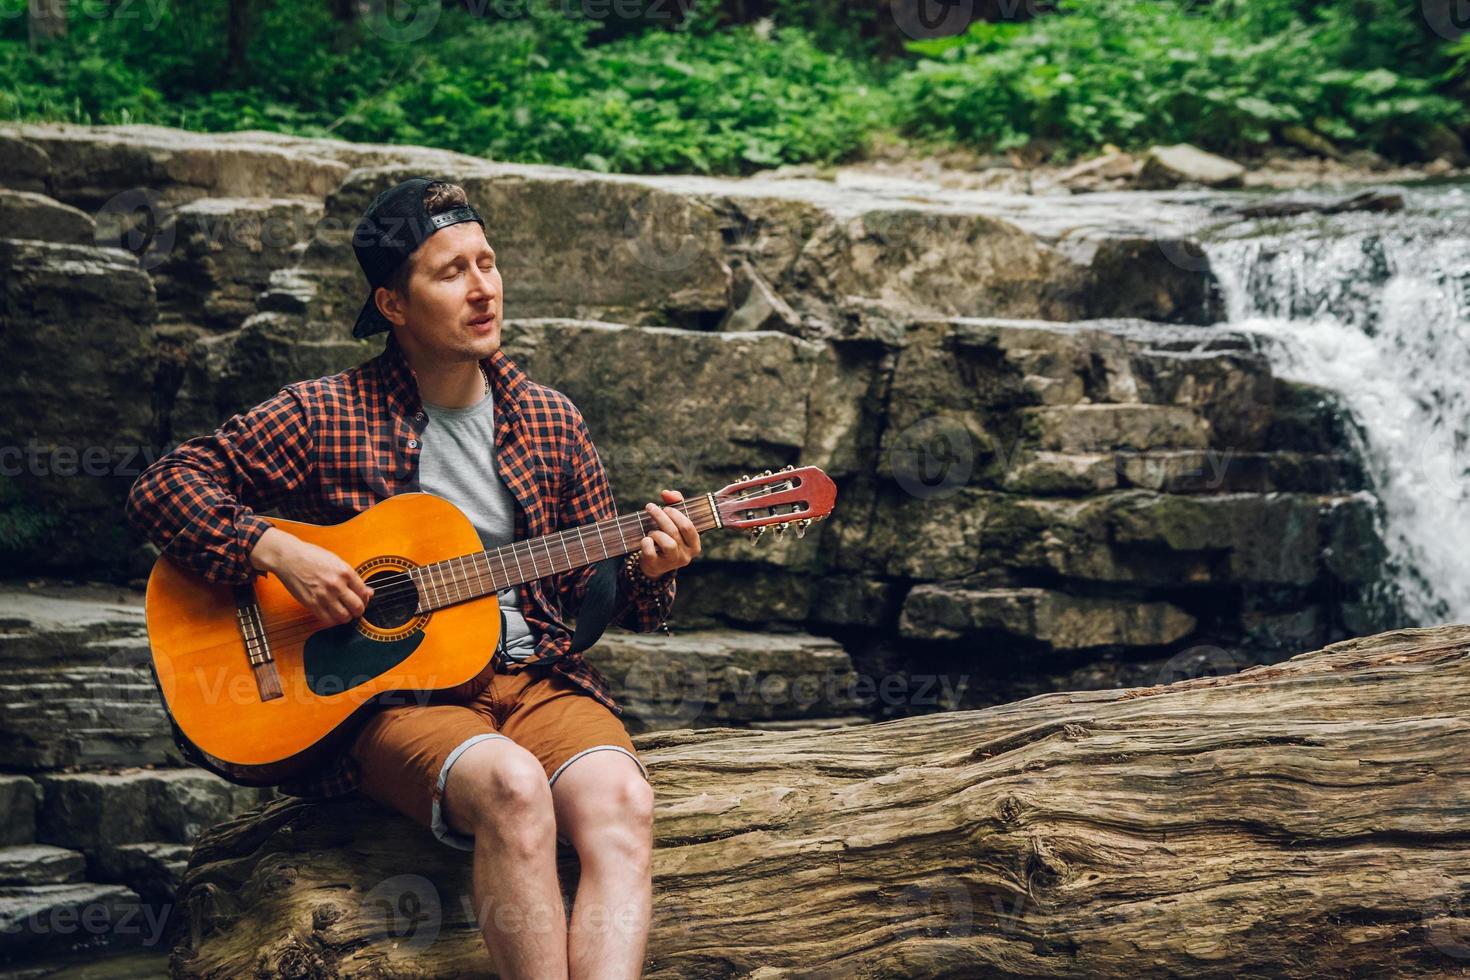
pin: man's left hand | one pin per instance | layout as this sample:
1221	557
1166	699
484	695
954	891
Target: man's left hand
673	543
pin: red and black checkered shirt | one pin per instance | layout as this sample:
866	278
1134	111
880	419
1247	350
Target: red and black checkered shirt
322	451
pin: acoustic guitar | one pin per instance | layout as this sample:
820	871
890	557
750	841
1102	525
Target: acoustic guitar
260	692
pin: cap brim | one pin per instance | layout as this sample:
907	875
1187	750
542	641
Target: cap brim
369	320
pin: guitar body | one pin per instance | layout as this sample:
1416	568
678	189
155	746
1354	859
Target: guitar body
260	692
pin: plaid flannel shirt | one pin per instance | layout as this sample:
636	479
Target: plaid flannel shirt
322	451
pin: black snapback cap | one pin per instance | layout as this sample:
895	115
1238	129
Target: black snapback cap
390	230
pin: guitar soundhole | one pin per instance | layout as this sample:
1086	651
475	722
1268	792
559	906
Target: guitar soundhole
395	599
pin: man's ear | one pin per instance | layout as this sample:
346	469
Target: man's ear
390	304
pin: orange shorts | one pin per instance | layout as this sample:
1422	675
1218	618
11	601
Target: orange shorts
405	751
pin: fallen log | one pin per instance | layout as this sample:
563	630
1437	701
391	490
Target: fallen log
1306	819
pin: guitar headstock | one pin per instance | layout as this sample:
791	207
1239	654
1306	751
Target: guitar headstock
793	496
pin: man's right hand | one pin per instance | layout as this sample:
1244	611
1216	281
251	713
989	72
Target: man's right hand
316	578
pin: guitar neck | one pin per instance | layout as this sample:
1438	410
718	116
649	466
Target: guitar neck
481	573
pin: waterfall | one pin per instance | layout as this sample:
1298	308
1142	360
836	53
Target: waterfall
1376	307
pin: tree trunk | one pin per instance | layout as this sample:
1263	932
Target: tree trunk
237	53
1310	819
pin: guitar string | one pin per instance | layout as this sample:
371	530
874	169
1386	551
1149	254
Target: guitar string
402	582
285	631
310	625
290	629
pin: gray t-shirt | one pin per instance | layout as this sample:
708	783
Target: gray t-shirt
457	462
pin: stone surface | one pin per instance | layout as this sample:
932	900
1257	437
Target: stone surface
40	864
75	681
1170	166
73	428
953	611
869	326
725	677
71	626
151	869
224	253
18	798
65	915
25	214
92	810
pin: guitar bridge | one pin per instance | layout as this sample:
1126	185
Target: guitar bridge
257	644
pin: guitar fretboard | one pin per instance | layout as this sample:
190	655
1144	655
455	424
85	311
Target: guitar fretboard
472	576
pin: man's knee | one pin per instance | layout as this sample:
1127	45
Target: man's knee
498	787
616	817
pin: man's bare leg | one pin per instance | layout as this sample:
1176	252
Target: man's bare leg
497	791
604	806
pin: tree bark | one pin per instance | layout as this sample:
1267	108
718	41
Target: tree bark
1310	818
237	41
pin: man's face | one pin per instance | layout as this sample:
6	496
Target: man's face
453	309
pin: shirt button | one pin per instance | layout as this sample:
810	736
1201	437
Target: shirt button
413	444
419	417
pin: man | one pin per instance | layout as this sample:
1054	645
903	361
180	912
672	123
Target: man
444	410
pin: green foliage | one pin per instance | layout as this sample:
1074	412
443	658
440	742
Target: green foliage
524	82
24	526
1226	77
529	88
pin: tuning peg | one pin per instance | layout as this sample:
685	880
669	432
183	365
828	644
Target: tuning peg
780	532
743	478
802	525
790	466
755	534
766	473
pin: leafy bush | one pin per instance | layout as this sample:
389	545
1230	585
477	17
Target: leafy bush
530	88
1133	72
535	85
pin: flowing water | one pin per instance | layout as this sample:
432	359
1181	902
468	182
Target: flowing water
1376	307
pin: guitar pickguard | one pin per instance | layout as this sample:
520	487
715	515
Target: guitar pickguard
339	658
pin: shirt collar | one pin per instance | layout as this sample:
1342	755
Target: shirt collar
507	381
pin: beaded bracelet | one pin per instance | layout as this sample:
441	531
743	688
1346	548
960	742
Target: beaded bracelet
641	582
650	588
